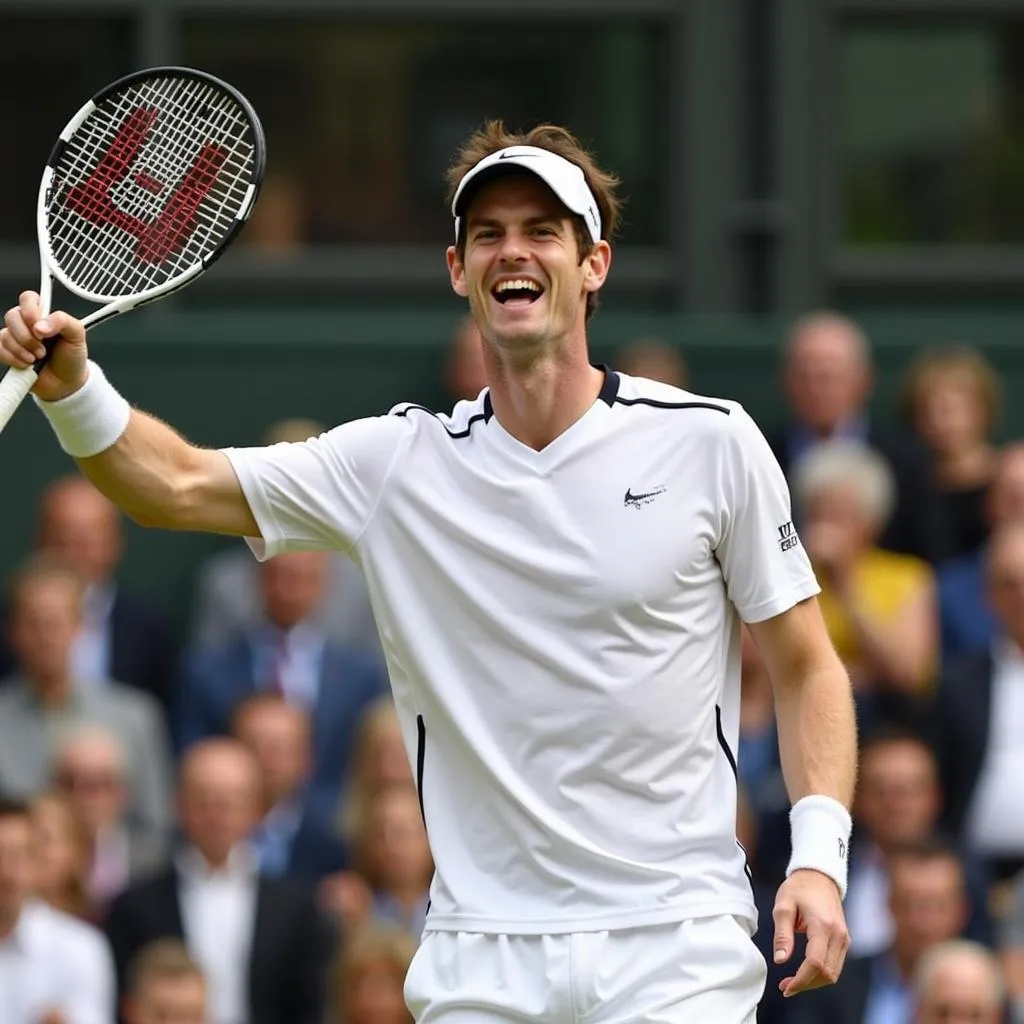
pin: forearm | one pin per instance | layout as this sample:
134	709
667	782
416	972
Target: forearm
818	733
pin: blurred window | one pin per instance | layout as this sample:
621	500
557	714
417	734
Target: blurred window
362	117
931	132
39	96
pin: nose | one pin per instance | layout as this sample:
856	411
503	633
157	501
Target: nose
513	247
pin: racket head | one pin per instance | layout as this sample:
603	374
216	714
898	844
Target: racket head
147	186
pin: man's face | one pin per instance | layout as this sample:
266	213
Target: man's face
44	623
960	993
219	800
517	230
1006	581
826	378
89	774
82	527
927	901
277	735
169	1001
897	795
16	862
292	585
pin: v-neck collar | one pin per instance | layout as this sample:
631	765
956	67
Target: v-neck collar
575	434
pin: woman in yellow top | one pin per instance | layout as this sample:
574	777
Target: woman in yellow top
880	607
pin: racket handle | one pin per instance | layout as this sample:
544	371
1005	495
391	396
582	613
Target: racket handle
14	387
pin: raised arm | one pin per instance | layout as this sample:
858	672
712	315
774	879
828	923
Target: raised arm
140	463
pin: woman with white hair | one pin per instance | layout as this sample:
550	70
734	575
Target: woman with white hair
879	606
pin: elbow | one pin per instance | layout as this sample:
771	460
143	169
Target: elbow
174	507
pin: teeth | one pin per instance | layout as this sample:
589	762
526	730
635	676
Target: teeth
519	284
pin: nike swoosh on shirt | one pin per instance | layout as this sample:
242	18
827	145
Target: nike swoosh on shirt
640	497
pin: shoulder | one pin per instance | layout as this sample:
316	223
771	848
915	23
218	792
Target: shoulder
642	394
456	424
73	936
124	702
961	571
894	569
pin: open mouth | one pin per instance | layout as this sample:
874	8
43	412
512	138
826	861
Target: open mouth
518	292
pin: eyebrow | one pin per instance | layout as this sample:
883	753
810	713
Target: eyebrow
491	222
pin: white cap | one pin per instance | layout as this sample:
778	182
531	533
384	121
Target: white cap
563	177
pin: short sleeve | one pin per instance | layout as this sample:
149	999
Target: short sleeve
765	566
321	493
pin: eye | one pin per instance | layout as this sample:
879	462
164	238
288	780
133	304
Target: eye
541	230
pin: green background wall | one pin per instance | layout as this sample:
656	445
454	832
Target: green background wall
221	378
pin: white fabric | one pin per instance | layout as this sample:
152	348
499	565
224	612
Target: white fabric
560	623
563	177
218	910
298	669
820	828
90	420
54	962
995	819
868	917
706	969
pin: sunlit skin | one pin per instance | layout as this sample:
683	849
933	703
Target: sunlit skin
535	354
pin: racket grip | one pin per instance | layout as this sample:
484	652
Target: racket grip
14	388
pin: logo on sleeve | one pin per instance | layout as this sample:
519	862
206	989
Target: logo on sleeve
842	850
788	538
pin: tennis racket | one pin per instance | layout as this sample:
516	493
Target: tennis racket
146	187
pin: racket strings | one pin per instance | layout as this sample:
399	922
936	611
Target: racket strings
148	185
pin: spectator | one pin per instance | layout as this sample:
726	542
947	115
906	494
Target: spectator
165	986
951	399
981	722
291	839
959	982
227	602
60	860
89	769
120	635
53	967
370	977
391	884
464	371
260	941
289	654
44	698
1011	948
879	606
379	760
827	378
928	906
897	804
968	624
656	360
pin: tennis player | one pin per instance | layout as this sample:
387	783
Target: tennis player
559	570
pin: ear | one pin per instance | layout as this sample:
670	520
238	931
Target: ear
456	271
596	265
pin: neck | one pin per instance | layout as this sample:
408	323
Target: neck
537	399
8	920
52	691
969	467
906	961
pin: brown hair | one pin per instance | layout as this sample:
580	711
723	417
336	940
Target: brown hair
493	137
952	361
161	958
367	947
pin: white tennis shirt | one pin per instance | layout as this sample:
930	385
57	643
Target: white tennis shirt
562	636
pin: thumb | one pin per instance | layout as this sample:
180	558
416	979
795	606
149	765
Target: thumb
784	916
70	329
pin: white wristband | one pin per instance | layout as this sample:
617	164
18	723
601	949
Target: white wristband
820	829
90	420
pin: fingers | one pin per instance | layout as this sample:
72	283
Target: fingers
784	916
827	945
69	329
18	346
25	330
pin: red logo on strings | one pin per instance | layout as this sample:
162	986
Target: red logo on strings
172	228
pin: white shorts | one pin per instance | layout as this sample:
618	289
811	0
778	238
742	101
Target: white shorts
706	969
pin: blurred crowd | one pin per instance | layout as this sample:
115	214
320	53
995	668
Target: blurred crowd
225	828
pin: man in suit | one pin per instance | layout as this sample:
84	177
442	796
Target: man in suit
260	941
289	654
827	378
981	720
89	768
291	838
44	698
929	906
121	636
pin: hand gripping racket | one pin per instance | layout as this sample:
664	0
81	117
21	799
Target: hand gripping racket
147	185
